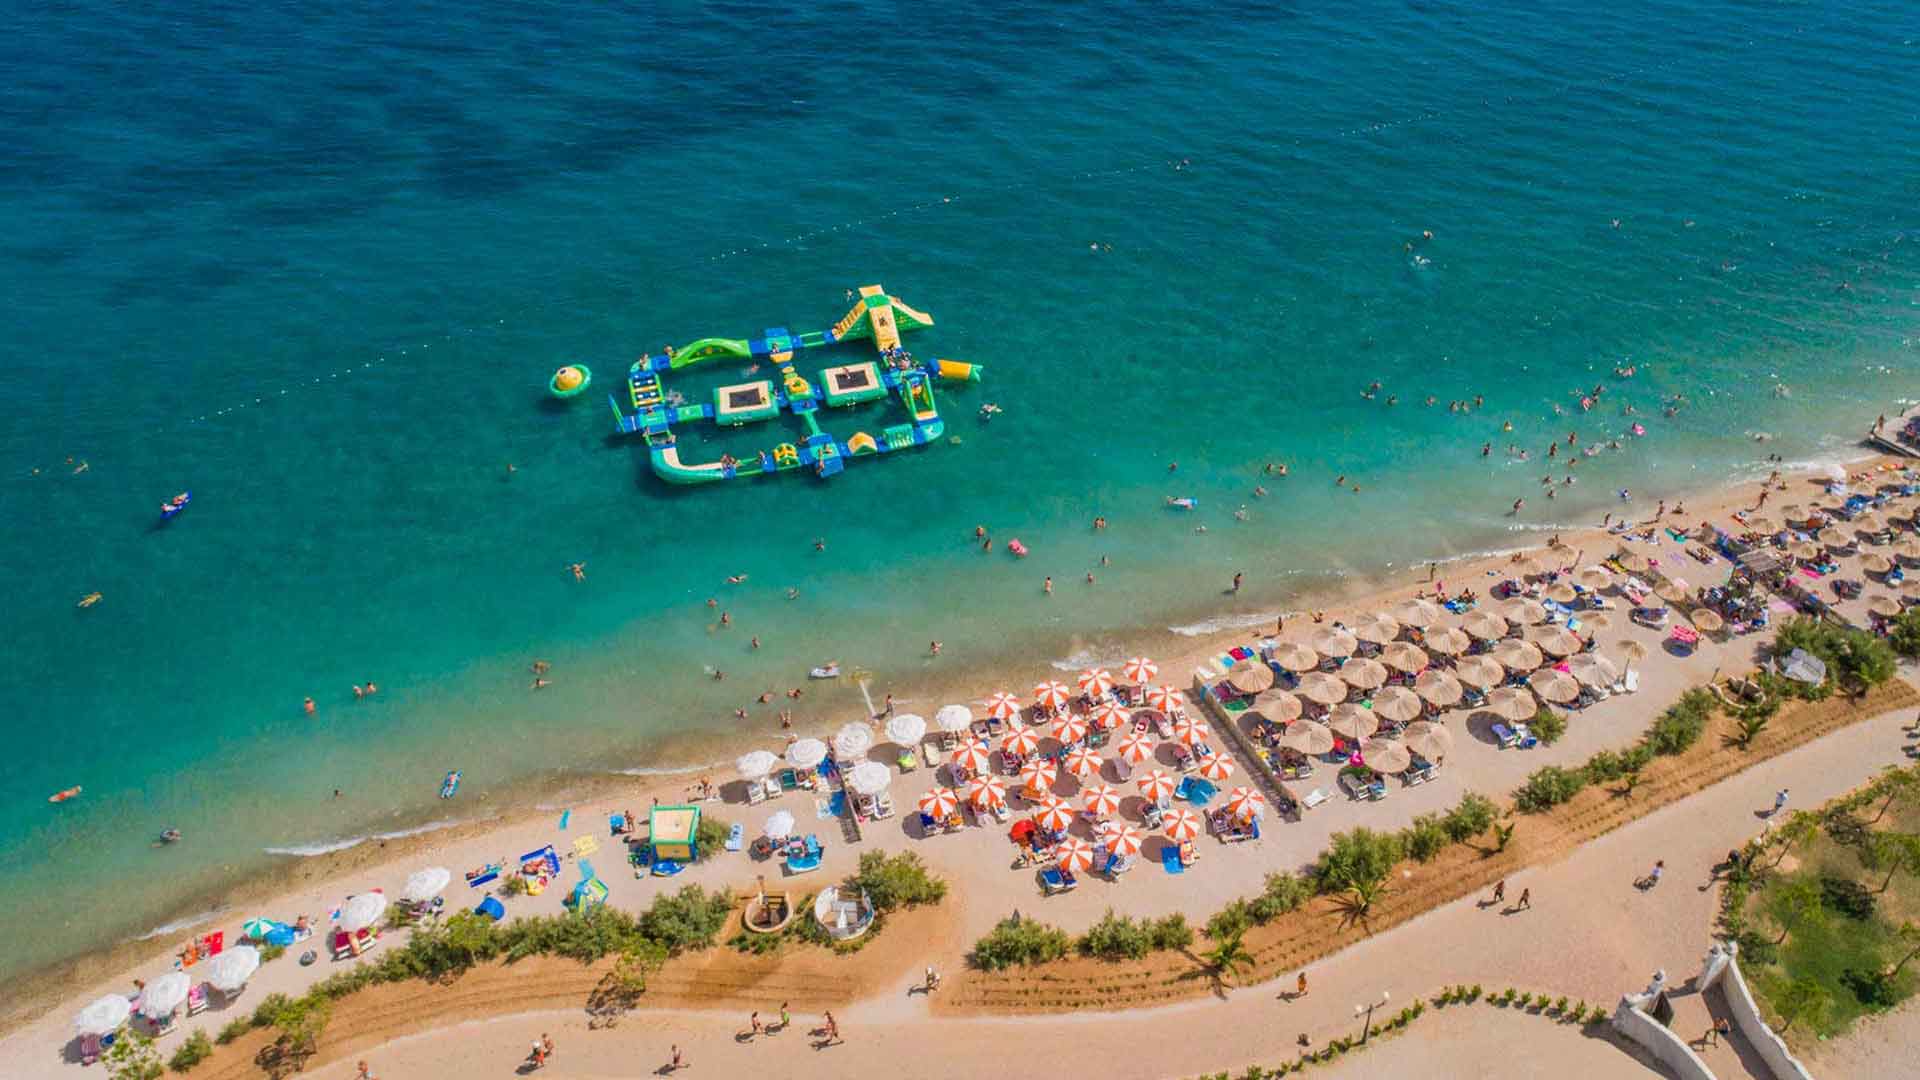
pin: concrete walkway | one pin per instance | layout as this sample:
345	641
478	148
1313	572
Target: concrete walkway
1590	935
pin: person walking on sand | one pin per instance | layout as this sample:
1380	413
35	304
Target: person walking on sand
364	1071
785	1017
1500	890
754	1022
1238	577
1653	876
1526	900
833	1028
1779	802
677	1061
1300	986
933	979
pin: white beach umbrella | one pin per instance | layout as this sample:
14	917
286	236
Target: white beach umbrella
907	729
755	764
425	883
103	1016
230	970
362	910
806	753
953	719
852	741
164	995
779	826
869	778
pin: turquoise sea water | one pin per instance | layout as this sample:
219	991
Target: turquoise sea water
317	265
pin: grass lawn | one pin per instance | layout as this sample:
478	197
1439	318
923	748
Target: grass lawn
1827	944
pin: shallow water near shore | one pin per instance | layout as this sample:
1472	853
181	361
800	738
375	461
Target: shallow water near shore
318	267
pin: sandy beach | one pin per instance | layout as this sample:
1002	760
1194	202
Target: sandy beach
1458	942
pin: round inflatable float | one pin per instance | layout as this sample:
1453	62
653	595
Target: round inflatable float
569	380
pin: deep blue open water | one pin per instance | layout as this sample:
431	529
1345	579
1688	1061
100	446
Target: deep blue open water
316	264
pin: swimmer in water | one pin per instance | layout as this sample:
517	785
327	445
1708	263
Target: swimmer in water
1048	587
308	706
539	684
579	570
726	619
1518	505
819	543
755	643
1241	514
1099	523
1508	426
737	579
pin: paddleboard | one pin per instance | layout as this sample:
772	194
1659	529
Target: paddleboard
450	785
63	796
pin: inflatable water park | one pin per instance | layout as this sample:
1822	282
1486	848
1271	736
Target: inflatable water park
875	316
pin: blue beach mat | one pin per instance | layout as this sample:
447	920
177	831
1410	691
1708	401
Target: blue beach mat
566	816
1170	858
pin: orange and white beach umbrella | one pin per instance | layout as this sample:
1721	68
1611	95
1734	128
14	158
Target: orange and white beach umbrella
1039	774
1101	800
1082	762
1215	767
939	803
1183	825
1165	698
1109	715
1245	803
973	756
1069	728
1003	706
1021	741
1190	730
986	791
1157	785
1095	682
1074	855
1137	746
1053	814
1140	670
1123	840
1052	695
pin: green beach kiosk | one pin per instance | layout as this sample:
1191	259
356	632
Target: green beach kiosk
670	833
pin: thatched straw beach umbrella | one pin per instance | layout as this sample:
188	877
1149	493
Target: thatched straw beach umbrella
1485	625
1428	739
1386	755
1405	656
1515	655
1632	650
1250	676
1448	641
1875	563
1308	737
1595	577
1278	705
1294	656
1438	687
1396	703
1593	669
1376	628
1512	703
1632	561
1561	593
1706	620
1884	606
1524	612
1353	721
1333	641
1558	641
1908	549
1480	671
1673	590
1555	685
1363	672
1320	687
1419	612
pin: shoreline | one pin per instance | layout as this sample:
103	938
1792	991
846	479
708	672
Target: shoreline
530	801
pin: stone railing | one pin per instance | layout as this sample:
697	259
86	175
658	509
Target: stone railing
1631	1021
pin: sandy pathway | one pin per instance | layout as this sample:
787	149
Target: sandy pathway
1589	935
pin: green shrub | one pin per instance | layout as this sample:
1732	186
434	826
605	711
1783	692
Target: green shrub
688	919
1904	636
1280	894
1019	941
270	953
1756	949
710	837
270	1006
1357	860
191	1052
1474	994
897	881
1559	1006
1170	932
1473	815
233	1029
1548	787
1606	765
1425	838
1875	988
1547	725
1230	921
1116	937
1681	726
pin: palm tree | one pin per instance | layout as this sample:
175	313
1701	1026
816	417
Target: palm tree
1230	955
